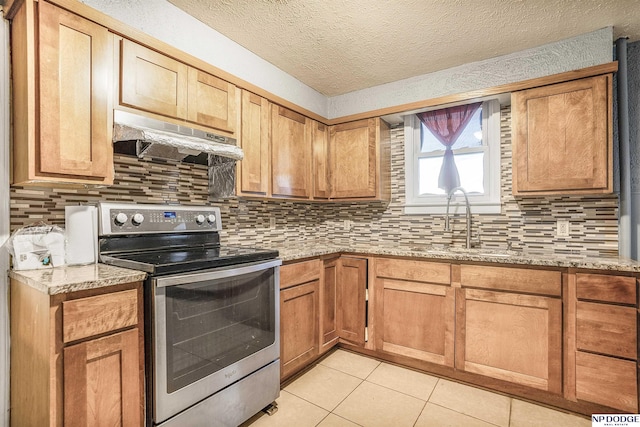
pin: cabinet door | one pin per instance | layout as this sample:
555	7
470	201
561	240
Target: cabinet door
253	170
321	173
299	310
328	305
607	380
354	159
153	82
562	138
76	57
290	153
211	101
102	382
351	295
511	337
414	311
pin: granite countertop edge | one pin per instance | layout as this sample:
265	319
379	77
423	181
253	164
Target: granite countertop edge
311	249
67	278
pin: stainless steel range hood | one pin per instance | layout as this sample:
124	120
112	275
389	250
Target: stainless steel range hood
155	138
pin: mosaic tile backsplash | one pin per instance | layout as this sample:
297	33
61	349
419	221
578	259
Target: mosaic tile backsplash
524	223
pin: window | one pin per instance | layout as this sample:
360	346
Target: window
474	147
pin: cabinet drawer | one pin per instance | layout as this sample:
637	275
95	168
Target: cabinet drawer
605	288
542	282
607	329
299	272
86	317
415	271
607	381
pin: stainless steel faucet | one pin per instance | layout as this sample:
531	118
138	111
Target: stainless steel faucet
447	227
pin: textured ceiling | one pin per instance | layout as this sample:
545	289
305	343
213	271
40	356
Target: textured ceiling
339	46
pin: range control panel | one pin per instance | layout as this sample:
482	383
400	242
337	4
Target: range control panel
124	218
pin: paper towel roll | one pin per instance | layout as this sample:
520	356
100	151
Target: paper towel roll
81	224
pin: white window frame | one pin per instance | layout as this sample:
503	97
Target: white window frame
436	203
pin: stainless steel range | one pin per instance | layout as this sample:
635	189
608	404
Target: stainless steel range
211	313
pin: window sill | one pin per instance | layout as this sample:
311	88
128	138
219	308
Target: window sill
456	208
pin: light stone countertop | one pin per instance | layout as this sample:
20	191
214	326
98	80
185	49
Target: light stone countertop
76	278
307	249
65	279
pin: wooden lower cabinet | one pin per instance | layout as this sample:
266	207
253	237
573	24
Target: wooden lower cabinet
328	305
602	340
351	299
511	337
299	309
414	310
97	381
321	302
299	313
77	359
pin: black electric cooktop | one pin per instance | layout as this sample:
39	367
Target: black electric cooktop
161	262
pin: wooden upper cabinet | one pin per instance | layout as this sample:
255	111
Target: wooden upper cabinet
562	138
152	82
212	101
321	173
158	84
62	68
253	170
359	160
290	153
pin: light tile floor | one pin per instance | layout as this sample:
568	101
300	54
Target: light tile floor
348	389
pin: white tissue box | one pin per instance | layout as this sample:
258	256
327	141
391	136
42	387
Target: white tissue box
39	250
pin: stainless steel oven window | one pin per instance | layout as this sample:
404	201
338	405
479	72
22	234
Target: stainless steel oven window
214	324
201	316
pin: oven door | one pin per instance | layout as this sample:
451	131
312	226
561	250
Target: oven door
211	329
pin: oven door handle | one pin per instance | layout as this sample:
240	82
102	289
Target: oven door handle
219	273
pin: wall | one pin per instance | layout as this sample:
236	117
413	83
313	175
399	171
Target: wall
633	60
528	223
166	22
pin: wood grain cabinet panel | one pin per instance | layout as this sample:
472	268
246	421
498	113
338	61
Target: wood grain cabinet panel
86	317
359	160
329	305
414	313
290	154
299	310
72	364
153	82
321	162
62	76
606	288
254	171
211	101
511	337
602	340
608	329
351	297
543	282
608	381
101	382
299	272
562	138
